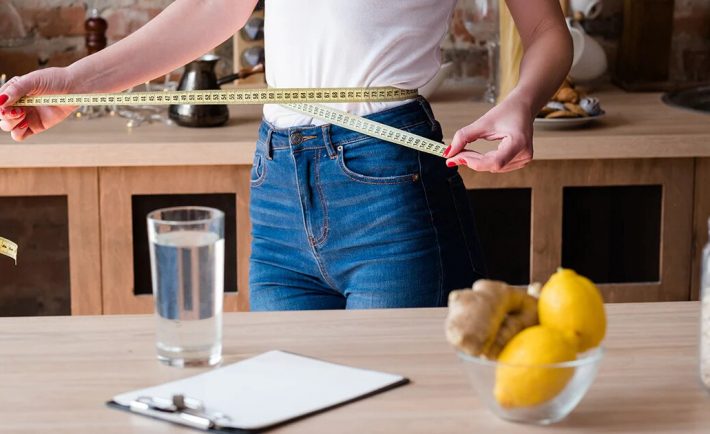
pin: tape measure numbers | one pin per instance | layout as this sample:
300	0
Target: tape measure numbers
298	99
8	248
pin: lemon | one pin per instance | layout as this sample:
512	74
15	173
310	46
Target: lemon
573	305
522	380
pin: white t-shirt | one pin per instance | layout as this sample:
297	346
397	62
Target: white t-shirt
351	43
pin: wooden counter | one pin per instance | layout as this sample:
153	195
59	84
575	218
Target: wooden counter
636	126
56	373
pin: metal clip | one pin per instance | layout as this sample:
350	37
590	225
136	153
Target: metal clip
180	409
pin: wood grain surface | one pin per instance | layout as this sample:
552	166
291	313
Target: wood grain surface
56	373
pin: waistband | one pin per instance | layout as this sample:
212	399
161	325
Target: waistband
405	116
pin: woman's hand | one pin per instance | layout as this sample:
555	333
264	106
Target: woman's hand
546	61
22	122
511	123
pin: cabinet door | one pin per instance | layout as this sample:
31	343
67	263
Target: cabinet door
53	215
121	188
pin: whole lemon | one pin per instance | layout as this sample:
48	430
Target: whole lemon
573	305
524	379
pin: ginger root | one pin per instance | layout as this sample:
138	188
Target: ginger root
483	319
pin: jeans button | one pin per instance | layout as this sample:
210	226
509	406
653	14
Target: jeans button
296	138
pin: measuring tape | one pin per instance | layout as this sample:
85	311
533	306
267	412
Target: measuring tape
8	248
298	99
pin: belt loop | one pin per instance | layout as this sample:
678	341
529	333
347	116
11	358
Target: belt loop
428	111
269	146
325	129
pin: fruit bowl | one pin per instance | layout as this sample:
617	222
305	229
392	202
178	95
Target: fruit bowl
534	394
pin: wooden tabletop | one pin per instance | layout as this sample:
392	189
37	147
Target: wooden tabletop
637	125
56	373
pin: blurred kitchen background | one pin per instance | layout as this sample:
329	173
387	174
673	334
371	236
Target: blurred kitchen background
41	33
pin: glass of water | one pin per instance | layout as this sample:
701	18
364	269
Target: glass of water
187	267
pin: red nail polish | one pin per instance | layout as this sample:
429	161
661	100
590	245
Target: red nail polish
13	112
23	124
446	151
462	162
450	164
3	99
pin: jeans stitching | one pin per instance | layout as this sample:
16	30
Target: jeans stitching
304	215
426	109
260	180
323	203
436	234
461	223
323	273
373	180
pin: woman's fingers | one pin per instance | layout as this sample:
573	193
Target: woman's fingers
21	131
512	153
492	161
10	118
464	136
14	89
25	128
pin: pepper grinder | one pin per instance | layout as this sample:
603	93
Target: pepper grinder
95	40
95	28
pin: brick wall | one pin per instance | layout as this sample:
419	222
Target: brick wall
38	33
690	44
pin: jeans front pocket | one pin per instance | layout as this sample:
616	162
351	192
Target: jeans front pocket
258	170
374	161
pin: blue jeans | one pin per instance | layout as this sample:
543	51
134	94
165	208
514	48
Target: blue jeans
342	220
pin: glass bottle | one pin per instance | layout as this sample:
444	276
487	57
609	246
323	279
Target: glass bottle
705	315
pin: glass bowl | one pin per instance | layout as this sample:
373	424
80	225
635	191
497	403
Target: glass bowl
557	388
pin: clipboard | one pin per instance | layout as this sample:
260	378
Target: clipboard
256	394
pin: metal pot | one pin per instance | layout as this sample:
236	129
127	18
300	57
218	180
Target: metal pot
200	75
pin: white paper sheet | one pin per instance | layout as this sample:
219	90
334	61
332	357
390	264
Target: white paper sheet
271	388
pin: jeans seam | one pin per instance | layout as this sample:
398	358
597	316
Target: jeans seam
461	225
323	272
311	247
260	180
436	232
426	110
323	203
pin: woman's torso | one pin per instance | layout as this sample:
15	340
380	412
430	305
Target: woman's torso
351	43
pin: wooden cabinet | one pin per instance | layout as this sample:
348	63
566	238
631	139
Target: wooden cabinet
80	188
551	182
524	217
523	225
119	185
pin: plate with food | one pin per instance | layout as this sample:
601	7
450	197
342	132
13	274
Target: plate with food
570	107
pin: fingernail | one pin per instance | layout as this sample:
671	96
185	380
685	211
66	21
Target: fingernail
462	162
446	151
13	112
3	99
451	163
22	124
